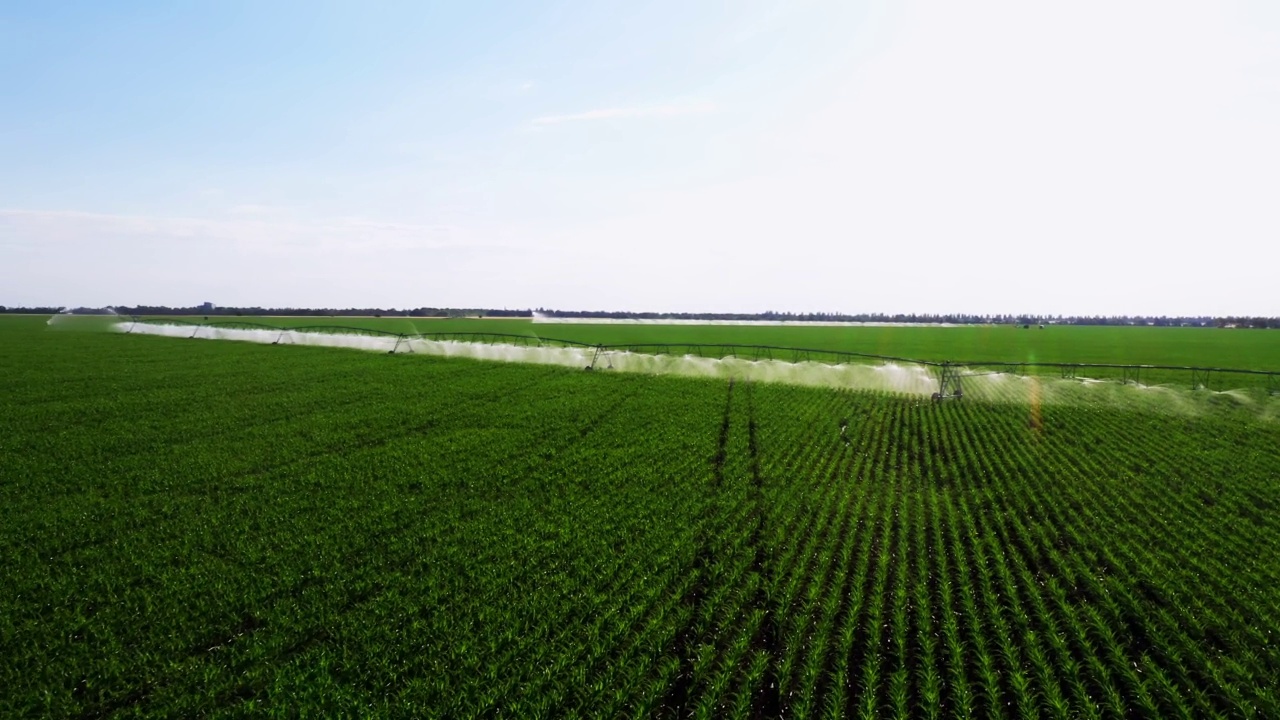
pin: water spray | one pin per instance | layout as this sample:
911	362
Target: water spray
951	381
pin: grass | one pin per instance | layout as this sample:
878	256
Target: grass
230	529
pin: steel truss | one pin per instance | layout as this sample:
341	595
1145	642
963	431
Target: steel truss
950	384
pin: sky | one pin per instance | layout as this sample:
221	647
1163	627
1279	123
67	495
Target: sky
1096	157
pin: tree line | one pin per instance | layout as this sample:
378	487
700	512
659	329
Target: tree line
208	310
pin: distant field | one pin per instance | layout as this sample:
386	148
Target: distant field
230	529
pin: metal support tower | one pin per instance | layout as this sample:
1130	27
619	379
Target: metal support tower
595	357
949	385
1200	378
402	340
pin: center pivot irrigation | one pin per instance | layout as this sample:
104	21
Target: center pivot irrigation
949	375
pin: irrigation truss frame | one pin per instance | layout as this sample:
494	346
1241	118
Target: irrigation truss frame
950	374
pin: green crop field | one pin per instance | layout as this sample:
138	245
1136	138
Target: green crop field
201	528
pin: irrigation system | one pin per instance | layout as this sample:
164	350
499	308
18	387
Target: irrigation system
950	374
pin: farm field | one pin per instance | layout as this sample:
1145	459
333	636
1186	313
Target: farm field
232	529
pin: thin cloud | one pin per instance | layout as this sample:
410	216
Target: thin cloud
627	113
256	210
75	229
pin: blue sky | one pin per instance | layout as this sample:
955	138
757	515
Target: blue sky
916	156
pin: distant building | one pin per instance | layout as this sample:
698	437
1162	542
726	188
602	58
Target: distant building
206	307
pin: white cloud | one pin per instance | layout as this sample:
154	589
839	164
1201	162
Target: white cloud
617	113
